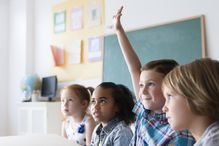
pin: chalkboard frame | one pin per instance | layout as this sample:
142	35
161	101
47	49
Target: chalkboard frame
114	66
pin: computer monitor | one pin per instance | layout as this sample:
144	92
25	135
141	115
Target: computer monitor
49	87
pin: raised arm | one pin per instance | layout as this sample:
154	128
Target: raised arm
131	58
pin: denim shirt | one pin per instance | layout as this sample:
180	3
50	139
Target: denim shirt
210	137
115	133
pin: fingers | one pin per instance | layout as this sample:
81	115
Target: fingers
116	19
120	10
119	13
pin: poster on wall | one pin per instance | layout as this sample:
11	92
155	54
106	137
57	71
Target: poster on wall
95	47
59	21
74	52
76	18
73	22
94	16
58	54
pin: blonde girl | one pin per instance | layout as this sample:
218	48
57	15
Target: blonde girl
78	124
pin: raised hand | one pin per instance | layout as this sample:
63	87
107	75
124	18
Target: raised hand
116	19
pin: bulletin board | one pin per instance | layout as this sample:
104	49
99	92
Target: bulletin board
182	40
84	63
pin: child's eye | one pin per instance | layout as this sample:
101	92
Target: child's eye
102	101
93	102
150	84
70	99
169	97
141	85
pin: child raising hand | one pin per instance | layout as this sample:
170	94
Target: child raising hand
78	124
151	126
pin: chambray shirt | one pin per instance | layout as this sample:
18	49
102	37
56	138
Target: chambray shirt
210	137
115	133
154	130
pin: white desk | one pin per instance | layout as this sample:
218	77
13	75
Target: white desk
35	140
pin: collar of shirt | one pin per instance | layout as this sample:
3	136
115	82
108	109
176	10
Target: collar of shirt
161	117
102	132
108	128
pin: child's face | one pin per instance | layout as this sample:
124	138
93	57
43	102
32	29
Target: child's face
71	105
177	111
103	106
150	91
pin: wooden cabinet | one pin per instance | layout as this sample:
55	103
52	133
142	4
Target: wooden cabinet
39	118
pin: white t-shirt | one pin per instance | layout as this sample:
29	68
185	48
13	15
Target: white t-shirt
210	137
76	133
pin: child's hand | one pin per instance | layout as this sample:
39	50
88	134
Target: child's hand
116	19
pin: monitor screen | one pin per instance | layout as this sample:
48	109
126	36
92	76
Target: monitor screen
49	87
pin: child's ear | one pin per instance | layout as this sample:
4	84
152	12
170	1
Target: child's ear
84	103
116	109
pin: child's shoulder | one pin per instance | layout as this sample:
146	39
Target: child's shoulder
122	127
89	120
67	120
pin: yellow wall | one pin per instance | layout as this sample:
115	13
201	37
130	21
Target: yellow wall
85	70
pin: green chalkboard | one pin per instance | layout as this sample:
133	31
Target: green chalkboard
180	40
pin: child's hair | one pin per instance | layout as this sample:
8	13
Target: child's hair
82	92
90	90
123	98
163	66
198	82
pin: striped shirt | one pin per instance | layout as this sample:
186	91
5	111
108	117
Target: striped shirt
154	130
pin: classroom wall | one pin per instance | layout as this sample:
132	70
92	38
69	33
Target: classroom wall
17	58
3	65
29	39
136	14
144	13
43	36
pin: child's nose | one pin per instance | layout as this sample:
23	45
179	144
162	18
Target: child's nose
164	109
96	105
145	90
65	103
